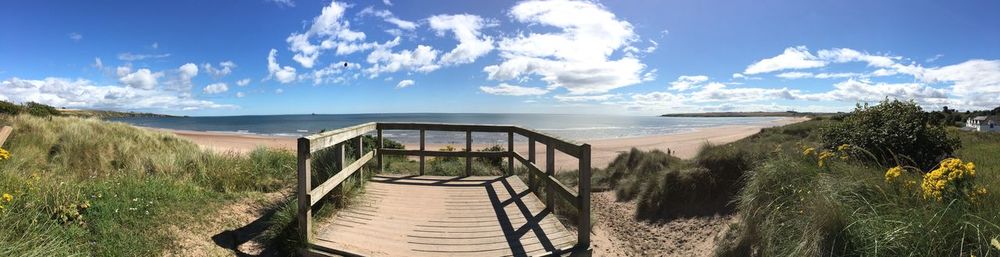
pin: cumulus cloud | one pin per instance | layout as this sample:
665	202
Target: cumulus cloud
284	74
283	3
142	79
334	73
240	94
330	28
687	82
383	59
584	98
405	83
181	79
387	16
80	93
797	57
243	82
128	57
215	88
467	30
225	68
512	90
576	55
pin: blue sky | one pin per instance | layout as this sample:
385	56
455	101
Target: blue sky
621	57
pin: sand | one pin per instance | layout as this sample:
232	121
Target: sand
603	151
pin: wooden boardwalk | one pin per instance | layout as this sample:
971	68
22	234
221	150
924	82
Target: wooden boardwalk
445	216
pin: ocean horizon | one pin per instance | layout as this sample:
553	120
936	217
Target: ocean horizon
576	127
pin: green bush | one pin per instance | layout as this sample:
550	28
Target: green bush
41	110
493	161
893	129
10	108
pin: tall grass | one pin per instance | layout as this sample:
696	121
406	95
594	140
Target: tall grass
89	187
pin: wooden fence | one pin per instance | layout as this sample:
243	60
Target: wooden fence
579	199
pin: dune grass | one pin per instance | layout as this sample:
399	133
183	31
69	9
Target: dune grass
89	187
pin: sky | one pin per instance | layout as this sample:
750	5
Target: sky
257	57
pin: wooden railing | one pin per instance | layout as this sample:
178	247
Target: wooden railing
580	199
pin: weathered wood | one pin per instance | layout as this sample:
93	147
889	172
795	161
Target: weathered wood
553	184
468	149
444	127
422	132
403	152
379	145
510	153
359	144
320	191
583	236
531	159
571	149
4	133
550	170
304	186
440	216
333	137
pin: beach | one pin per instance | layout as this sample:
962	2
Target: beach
603	151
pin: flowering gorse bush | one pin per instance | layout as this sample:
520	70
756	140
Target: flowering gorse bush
842	152
952	179
4	154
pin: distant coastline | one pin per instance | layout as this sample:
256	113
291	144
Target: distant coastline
102	114
748	114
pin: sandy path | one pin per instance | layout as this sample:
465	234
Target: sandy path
618	233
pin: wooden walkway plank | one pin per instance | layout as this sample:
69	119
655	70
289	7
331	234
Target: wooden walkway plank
445	216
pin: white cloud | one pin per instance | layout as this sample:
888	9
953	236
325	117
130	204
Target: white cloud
243	82
934	58
283	3
512	90
155	45
141	79
334	73
98	64
181	80
240	94
138	57
866	91
405	83
387	16
76	37
330	28
279	91
687	82
975	82
78	93
383	59
284	74
215	88
466	28
576	56
584	98
387	2
842	55
793	58
225	68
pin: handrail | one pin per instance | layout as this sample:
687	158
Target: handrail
580	200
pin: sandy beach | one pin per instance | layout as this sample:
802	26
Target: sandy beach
684	145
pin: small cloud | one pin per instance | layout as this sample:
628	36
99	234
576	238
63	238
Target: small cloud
279	91
243	82
128	57
405	83
935	58
513	90
76	37
240	94
155	45
387	2
664	33
283	3
216	88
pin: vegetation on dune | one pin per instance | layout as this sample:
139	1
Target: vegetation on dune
88	187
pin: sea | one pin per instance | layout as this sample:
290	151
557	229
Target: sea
576	127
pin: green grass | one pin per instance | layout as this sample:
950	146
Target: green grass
790	206
89	187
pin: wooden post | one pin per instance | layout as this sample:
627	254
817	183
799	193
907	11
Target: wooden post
550	170
341	158
531	159
304	186
468	152
378	150
4	133
422	132
583	231
359	143
510	153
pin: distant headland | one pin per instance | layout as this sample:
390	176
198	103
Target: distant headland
748	114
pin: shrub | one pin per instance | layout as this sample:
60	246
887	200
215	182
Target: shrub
41	110
890	130
10	108
493	161
679	193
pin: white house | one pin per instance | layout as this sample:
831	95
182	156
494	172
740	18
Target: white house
983	123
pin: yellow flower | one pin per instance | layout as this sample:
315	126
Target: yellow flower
823	156
995	243
4	154
809	151
7	197
843	147
951	171
893	173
